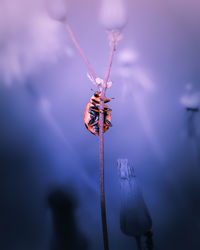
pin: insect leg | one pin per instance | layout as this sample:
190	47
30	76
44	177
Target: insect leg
96	110
109	123
94	123
108	100
107	109
91	121
95	101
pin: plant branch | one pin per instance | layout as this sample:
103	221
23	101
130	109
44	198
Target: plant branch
69	30
114	38
101	147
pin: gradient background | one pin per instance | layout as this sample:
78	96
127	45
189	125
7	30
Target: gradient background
45	148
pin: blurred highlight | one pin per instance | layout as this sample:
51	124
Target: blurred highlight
28	38
191	97
113	14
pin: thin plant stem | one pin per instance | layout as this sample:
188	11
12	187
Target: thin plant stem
138	241
101	124
69	30
101	149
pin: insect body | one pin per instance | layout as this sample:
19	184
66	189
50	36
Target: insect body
92	111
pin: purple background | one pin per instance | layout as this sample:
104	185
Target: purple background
44	144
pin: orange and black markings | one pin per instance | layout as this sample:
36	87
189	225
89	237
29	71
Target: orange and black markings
92	111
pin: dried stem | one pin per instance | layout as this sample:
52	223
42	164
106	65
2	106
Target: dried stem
101	147
114	37
69	30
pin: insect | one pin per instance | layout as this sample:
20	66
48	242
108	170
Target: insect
92	111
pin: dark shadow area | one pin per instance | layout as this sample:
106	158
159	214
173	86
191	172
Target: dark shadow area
192	112
65	233
192	127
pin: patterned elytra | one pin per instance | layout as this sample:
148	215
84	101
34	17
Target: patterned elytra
92	111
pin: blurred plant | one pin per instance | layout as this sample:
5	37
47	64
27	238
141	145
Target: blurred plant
191	102
191	98
113	17
57	9
135	219
113	14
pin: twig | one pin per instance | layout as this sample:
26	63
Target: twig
101	147
138	242
114	37
69	30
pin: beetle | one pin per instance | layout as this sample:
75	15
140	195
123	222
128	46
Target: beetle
92	111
